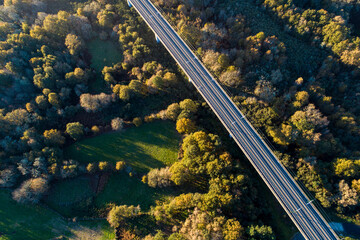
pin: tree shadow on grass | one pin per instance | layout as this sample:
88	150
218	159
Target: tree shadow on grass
141	148
124	190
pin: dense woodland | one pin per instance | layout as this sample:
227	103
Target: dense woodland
309	114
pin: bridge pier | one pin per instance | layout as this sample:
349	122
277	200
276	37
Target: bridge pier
157	39
129	3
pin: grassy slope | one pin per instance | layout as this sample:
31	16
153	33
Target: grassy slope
18	222
71	197
157	141
151	145
122	189
103	53
27	222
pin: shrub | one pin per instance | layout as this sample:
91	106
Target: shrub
188	105
8	177
53	137
120	165
94	103
118	214
69	169
117	124
137	121
104	166
91	167
173	111
95	129
144	179
159	178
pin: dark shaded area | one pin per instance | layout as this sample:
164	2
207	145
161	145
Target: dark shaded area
303	59
352	229
355	19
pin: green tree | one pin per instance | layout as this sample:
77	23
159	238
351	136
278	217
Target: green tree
172	111
118	214
261	233
233	230
17	117
54	99
125	93
75	130
302	98
54	137
74	44
138	87
170	78
106	18
159	236
42	102
76	77
355	184
346	167
224	61
43	80
201	155
176	236
188	105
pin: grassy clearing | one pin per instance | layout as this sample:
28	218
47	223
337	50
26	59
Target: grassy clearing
122	189
151	145
19	222
103	53
71	197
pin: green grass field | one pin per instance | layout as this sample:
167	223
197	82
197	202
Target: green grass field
19	222
122	189
26	221
152	145
104	53
71	197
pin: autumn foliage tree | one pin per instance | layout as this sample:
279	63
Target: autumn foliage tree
54	137
74	43
31	190
185	125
